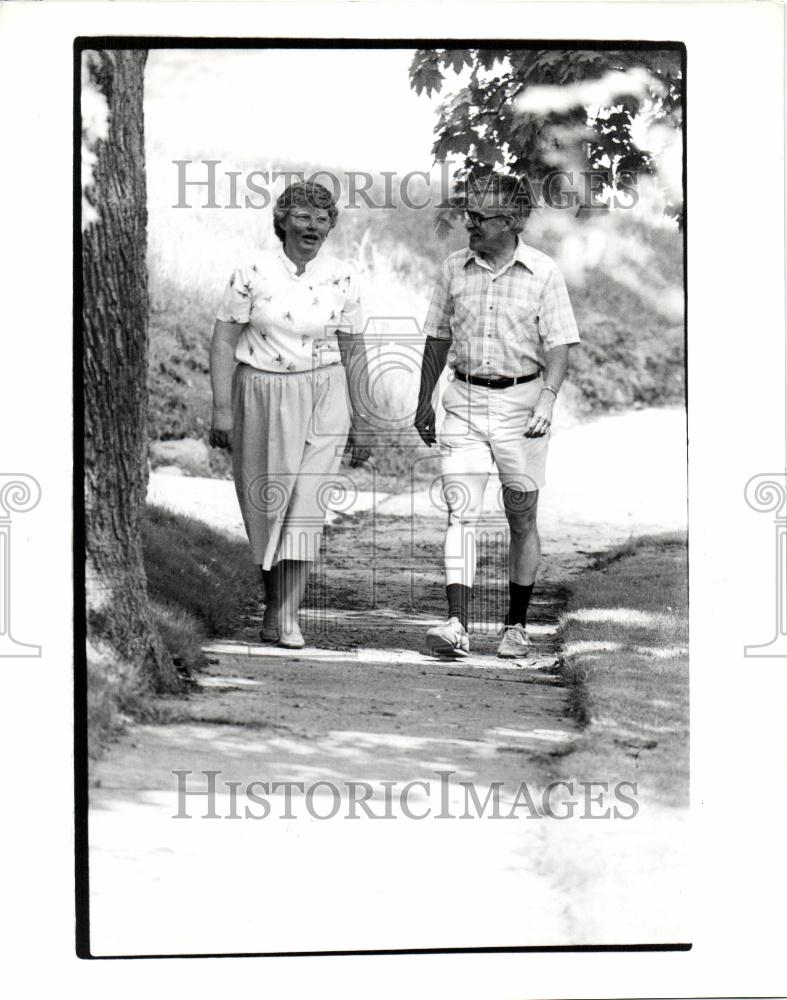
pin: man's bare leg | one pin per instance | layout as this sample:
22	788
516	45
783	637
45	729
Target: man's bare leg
524	551
524	556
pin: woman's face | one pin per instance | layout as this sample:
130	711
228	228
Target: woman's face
305	230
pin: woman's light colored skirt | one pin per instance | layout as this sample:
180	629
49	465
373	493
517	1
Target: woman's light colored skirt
289	433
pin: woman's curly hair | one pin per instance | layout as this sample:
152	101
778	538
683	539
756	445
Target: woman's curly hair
305	194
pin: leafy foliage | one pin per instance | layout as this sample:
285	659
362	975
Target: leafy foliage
481	122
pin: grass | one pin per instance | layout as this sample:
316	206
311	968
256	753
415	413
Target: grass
199	583
115	695
196	574
625	632
183	634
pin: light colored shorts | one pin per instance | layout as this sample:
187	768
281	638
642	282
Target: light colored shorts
484	428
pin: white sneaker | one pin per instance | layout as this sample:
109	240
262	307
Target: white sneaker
450	639
515	642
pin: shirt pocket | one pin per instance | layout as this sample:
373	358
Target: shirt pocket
522	319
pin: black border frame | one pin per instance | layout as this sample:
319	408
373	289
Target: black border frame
81	783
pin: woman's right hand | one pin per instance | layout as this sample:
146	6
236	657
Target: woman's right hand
221	431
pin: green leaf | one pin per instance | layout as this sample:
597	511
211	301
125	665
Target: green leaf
425	72
429	80
488	57
457	59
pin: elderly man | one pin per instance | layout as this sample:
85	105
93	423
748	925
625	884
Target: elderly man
501	318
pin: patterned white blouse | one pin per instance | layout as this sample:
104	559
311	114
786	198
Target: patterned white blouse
290	320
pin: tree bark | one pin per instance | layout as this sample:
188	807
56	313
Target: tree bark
115	325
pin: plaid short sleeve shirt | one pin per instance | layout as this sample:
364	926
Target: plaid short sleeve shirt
501	325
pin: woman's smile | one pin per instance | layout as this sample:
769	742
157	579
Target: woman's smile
302	244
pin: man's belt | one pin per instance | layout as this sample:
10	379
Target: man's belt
495	383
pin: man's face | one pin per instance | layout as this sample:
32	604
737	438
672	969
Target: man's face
488	224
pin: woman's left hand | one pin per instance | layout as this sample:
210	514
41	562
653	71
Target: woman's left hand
359	449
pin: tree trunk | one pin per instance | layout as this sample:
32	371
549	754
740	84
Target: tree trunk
115	324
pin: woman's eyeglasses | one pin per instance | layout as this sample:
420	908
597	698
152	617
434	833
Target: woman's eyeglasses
302	220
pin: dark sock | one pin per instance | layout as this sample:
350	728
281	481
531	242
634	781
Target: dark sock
459	597
518	602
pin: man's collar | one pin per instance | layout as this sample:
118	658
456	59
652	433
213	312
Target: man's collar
522	253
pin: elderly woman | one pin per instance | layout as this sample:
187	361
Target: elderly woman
287	346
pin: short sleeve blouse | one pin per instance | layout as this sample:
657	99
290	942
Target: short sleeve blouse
290	320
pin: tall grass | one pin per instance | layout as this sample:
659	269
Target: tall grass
195	571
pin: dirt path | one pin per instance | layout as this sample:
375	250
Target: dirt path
364	704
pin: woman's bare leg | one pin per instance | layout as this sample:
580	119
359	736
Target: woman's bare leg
292	577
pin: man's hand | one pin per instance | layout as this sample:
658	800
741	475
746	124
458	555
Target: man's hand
221	431
541	420
425	425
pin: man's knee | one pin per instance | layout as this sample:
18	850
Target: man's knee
521	507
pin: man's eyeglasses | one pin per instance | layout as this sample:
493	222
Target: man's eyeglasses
302	220
476	219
